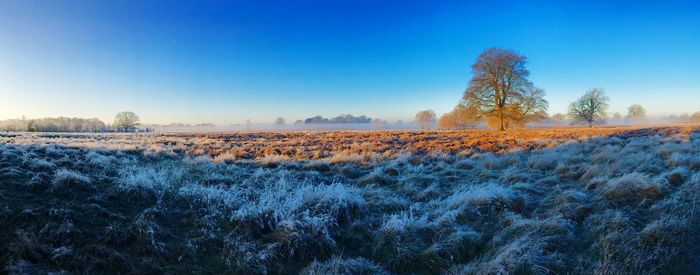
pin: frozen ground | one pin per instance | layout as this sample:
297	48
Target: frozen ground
616	202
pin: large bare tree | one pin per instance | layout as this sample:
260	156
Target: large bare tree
126	121
500	89
591	108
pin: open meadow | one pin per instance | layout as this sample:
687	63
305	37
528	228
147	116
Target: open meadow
536	201
349	137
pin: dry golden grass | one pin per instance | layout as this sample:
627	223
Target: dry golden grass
300	145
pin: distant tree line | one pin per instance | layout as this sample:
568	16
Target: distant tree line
59	124
338	119
695	117
123	122
500	95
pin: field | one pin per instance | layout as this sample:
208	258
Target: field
538	201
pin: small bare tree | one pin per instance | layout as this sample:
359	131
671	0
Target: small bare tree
279	121
126	121
591	108
636	112
425	119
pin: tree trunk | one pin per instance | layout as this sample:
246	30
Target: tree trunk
502	128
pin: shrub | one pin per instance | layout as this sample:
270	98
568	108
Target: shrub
487	196
525	255
344	266
100	161
633	187
146	181
65	179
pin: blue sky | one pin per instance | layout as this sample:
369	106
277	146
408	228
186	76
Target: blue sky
228	61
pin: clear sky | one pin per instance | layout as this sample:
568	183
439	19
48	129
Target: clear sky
228	61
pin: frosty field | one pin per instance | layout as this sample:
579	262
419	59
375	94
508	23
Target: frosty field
541	201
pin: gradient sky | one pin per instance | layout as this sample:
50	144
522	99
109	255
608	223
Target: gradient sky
228	61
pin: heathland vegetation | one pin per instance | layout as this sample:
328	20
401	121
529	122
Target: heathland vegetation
568	201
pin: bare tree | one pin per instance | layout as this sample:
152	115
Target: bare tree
279	121
126	121
448	121
590	108
636	112
425	118
461	117
500	89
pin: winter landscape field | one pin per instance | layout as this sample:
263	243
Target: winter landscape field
537	201
349	137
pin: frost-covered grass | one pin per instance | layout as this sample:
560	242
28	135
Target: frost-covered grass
623	204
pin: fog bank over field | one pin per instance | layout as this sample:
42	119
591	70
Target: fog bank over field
341	122
290	127
393	126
